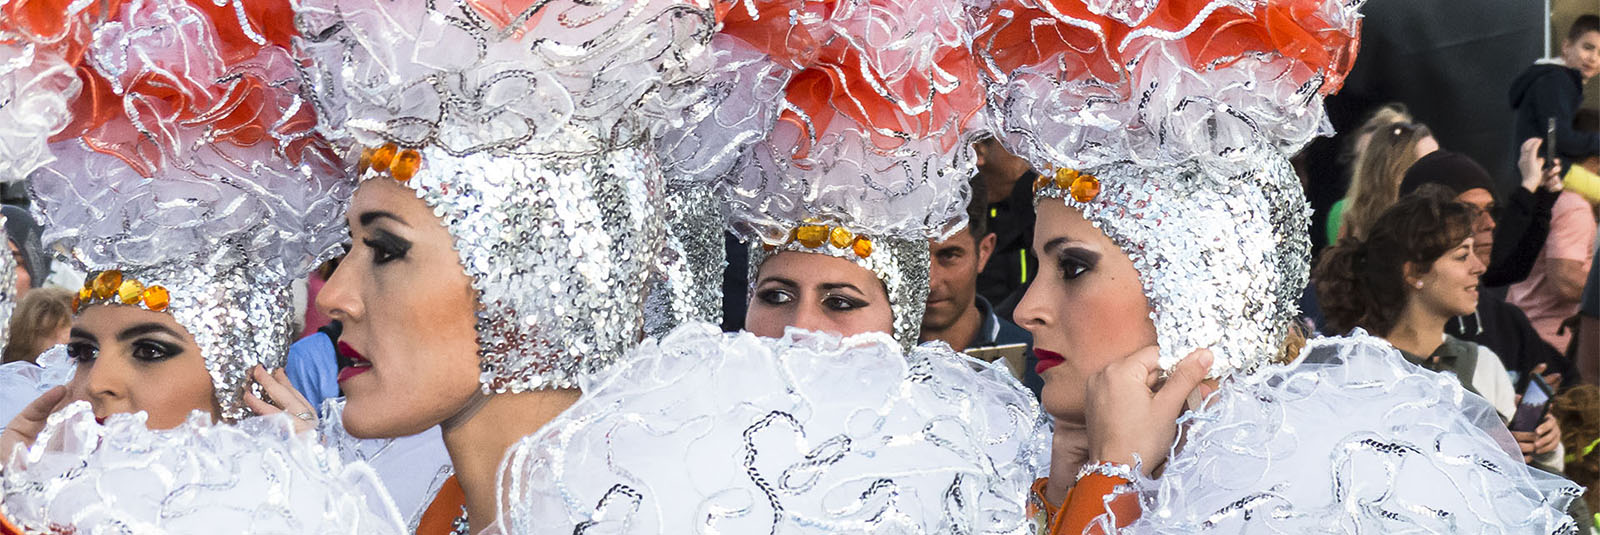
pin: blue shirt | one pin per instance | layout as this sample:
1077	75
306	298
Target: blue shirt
313	369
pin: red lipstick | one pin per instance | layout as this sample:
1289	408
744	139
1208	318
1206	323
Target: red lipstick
1047	359
358	364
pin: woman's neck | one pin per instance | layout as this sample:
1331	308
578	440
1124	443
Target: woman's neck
1418	331
477	444
1069	451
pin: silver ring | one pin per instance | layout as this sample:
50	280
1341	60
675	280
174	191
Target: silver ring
307	416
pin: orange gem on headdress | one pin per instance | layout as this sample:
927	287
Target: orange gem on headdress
383	157
1065	177
130	292
106	283
811	236
405	165
1041	182
839	237
156	298
862	247
1085	188
365	162
76	302
84	293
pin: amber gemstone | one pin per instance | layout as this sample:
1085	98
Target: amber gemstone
840	238
365	163
1064	177
156	298
811	236
130	292
76	301
106	283
405	165
83	293
1042	182
1085	188
862	247
383	157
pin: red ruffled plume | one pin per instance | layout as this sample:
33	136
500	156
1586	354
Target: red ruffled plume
1100	47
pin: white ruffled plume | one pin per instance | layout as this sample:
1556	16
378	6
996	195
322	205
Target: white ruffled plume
1350	438
705	432
257	477
36	88
23	382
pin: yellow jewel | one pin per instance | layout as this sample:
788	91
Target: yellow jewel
130	292
156	298
106	283
1085	188
811	236
1064	177
839	237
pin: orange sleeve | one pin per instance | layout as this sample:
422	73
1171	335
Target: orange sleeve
1087	501
6	528
440	518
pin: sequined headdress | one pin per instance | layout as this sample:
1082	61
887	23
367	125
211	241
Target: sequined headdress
1168	124
839	131
528	127
188	180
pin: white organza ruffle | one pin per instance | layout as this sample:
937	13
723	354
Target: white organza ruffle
23	382
412	468
256	477
707	432
1350	438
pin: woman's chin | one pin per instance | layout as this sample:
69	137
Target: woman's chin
389	422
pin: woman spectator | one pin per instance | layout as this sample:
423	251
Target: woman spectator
42	319
1394	143
1405	280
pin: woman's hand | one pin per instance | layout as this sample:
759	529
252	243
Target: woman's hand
25	427
284	398
1129	415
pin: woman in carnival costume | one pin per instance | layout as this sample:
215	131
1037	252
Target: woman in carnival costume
1170	208
836	134
508	210
188	182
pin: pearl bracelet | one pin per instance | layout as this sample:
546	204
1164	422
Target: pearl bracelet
1108	469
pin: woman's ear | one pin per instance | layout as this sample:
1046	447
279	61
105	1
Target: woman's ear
1412	273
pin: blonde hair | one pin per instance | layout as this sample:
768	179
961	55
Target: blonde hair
39	315
1379	165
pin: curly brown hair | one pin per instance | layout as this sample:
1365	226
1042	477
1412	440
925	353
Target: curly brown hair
1362	282
1577	410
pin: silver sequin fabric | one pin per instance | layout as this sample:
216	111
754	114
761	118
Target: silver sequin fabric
1222	262
1189	143
706	432
537	133
1350	438
689	284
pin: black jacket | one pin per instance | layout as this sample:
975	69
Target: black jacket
1521	228
1012	263
1549	90
1504	329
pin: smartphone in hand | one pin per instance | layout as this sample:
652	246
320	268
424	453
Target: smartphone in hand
1550	143
1536	396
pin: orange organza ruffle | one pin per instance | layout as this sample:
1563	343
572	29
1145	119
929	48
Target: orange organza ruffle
1099	47
226	89
837	80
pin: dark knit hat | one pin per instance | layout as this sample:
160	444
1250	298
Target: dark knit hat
1453	170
